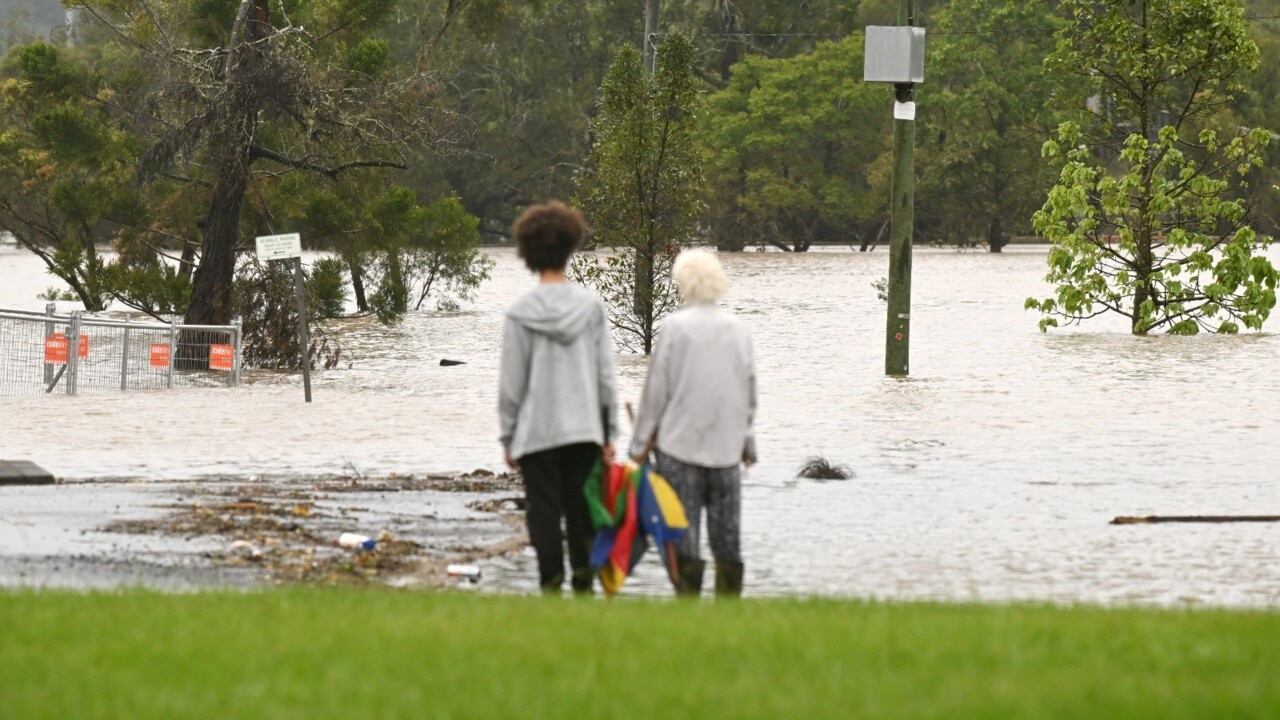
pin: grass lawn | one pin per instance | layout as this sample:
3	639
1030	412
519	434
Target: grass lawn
352	654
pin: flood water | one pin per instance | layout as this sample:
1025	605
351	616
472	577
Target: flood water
990	474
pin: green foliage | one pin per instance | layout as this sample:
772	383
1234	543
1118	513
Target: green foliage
369	57
640	193
264	297
790	149
156	288
54	294
406	251
40	65
446	262
328	287
1156	228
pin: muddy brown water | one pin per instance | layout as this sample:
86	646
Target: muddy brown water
990	474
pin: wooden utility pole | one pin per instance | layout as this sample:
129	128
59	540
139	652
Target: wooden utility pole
897	344
651	8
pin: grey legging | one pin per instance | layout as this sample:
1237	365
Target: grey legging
719	490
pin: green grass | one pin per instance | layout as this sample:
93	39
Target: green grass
354	654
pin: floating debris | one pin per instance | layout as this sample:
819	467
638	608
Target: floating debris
1127	520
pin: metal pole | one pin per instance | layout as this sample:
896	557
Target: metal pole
303	341
173	351
897	345
73	353
124	359
237	333
48	330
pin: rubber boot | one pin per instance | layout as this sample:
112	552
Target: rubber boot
728	579
581	581
689	582
551	586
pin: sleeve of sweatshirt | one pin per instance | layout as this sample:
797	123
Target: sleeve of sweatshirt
608	378
654	399
513	379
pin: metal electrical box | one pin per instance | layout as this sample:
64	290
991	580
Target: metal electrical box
894	54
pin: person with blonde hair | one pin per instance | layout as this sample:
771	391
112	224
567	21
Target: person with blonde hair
556	396
695	417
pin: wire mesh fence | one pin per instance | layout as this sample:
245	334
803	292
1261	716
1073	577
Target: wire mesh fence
45	353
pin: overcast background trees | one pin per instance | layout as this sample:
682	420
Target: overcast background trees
174	131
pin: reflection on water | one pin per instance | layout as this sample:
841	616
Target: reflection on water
989	474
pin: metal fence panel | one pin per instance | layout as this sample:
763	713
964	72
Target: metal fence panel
84	354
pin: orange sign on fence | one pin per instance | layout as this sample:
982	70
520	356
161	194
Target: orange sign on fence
84	346
222	357
55	349
159	355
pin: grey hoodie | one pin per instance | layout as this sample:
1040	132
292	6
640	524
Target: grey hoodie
557	379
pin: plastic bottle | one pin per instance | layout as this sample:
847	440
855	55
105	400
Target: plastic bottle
356	542
470	573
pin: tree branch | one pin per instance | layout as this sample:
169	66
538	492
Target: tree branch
331	172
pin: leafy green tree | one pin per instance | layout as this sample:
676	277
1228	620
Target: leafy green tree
1149	216
987	111
640	193
792	150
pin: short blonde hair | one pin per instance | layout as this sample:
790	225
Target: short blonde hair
699	276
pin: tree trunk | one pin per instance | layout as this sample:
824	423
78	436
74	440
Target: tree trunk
186	266
233	138
356	269
1142	292
211	290
996	239
732	52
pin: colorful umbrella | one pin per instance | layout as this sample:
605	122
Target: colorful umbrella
630	506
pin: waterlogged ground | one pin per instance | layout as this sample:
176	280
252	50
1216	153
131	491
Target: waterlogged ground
992	473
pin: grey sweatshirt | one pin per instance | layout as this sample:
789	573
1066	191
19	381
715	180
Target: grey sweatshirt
557	382
699	399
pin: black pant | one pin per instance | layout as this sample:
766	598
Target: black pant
553	481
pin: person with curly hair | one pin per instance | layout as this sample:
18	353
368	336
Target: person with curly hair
557	393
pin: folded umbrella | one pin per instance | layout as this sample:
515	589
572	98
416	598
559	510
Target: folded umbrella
630	506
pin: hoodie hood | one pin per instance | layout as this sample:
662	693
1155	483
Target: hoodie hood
561	311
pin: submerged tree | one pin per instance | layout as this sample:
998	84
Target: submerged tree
1149	218
640	193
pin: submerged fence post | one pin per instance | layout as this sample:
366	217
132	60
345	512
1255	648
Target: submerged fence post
48	330
173	351
73	353
237	332
124	358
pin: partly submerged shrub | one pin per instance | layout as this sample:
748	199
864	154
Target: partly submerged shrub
820	468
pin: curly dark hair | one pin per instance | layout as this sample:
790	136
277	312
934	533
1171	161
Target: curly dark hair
546	235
